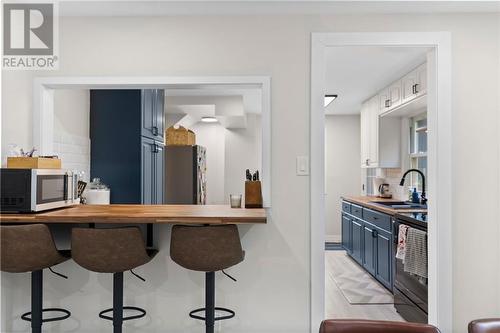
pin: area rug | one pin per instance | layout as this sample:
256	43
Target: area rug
357	286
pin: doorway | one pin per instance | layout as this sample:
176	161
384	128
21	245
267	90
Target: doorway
439	159
366	154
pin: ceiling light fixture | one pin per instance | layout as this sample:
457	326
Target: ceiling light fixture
329	99
209	119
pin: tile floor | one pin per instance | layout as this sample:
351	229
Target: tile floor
336	304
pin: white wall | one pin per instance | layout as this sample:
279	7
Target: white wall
212	137
343	168
272	293
229	153
243	151
71	129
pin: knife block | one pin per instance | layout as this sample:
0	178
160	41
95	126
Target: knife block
253	194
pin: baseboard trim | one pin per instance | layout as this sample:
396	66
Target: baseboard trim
333	246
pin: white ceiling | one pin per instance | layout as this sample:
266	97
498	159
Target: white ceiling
229	104
356	73
252	95
276	7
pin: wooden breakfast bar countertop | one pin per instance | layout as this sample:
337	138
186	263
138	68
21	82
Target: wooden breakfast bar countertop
135	213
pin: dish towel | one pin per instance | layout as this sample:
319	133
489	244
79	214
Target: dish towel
415	261
400	253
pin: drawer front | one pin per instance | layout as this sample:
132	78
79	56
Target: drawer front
381	220
357	211
346	207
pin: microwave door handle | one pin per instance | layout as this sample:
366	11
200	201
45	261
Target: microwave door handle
66	187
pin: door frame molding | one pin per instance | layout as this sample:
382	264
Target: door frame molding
439	159
43	105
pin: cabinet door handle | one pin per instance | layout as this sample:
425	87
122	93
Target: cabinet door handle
155	130
374	233
387	103
415	89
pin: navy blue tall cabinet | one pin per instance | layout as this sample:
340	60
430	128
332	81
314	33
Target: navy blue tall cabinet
127	143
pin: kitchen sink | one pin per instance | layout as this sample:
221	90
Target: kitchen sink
400	204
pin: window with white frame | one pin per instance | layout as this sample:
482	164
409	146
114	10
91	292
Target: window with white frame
418	149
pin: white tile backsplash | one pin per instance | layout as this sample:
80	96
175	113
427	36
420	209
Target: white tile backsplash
391	177
74	152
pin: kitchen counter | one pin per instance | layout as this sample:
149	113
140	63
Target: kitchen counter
367	201
151	214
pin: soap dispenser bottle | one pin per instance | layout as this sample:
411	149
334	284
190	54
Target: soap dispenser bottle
414	196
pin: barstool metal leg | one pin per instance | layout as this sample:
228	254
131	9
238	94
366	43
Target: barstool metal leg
117	302
36	301
209	301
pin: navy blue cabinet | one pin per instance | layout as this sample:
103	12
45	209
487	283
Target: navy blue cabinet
346	233
384	259
369	248
152	120
357	241
131	163
159	174
153	170
147	162
368	240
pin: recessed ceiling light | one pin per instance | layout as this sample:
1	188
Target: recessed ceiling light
329	99
209	120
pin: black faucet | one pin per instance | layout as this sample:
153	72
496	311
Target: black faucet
423	199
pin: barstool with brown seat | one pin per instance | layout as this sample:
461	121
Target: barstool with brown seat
373	326
31	248
485	325
207	249
112	250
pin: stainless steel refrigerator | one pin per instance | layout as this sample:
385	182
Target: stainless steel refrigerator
185	175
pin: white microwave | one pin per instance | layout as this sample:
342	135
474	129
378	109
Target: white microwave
35	190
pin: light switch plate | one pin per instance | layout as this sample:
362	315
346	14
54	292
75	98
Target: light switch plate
302	165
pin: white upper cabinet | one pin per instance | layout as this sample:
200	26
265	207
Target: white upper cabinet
381	119
384	100
373	156
380	137
370	135
421	84
391	97
365	135
408	86
403	91
395	94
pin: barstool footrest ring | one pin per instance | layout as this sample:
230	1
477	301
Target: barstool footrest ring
141	314
230	314
66	314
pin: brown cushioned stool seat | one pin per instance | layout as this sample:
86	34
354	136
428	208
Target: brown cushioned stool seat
207	249
373	326
487	325
112	250
31	248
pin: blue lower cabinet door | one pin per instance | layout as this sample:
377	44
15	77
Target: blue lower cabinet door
159	170
346	233
369	249
147	172
384	255
357	241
